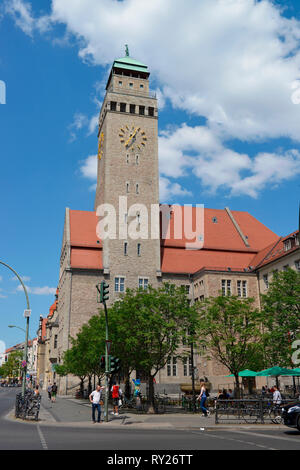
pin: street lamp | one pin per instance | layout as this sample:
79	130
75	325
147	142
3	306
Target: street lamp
15	326
27	314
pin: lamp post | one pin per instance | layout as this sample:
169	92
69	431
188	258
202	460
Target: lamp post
15	326
27	314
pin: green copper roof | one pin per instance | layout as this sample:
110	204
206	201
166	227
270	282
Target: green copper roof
130	64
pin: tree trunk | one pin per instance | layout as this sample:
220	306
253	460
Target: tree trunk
81	387
127	386
237	386
151	409
90	385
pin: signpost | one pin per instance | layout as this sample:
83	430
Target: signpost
103	290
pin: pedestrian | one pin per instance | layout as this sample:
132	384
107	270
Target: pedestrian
276	397
116	395
36	391
96	400
230	393
49	391
202	398
53	392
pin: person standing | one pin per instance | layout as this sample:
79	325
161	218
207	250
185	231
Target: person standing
116	394
95	398
276	397
202	397
49	391
53	392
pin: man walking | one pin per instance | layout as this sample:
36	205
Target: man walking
95	399
54	392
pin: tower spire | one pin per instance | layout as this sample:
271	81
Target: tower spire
126	50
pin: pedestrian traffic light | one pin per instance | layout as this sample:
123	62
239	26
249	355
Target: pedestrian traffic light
102	362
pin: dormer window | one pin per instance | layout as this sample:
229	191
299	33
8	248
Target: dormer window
287	245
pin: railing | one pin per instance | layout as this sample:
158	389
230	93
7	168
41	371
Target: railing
250	411
29	406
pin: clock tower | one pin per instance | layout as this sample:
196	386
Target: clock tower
128	178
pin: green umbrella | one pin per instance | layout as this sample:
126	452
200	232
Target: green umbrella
296	371
274	372
245	373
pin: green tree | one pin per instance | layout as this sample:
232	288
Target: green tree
231	330
12	367
149	328
281	317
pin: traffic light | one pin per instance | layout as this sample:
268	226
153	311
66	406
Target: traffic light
103	291
102	362
115	364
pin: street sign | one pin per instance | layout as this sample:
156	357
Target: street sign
27	313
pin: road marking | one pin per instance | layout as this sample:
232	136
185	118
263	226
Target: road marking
236	440
42	439
267	435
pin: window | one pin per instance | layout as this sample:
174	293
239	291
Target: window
132	108
174	366
242	288
297	264
201	298
139	249
120	83
113	105
143	282
55	341
125	248
142	110
137	160
137	188
266	280
287	245
119	284
151	111
127	188
226	287
127	158
130	85
285	267
187	366
141	86
123	107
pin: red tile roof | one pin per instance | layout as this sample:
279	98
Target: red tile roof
274	251
223	245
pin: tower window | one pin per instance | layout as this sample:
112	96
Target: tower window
141	85
127	158
131	85
113	105
127	188
120	83
142	110
125	248
123	107
139	249
137	160
132	108
151	111
137	188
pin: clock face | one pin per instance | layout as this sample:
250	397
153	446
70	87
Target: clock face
100	145
133	138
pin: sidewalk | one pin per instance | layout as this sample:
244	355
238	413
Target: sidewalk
71	412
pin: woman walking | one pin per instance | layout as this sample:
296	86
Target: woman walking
202	398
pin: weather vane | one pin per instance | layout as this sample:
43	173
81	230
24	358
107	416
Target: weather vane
126	50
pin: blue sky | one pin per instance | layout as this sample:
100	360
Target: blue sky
229	131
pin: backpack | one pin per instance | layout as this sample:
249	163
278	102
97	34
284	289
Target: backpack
207	393
115	391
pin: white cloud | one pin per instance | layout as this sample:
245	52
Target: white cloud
168	190
1	278
38	290
233	62
2	347
89	167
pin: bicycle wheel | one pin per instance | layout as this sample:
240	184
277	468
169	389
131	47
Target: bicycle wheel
250	415
275	415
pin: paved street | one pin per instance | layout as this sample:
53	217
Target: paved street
66	425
